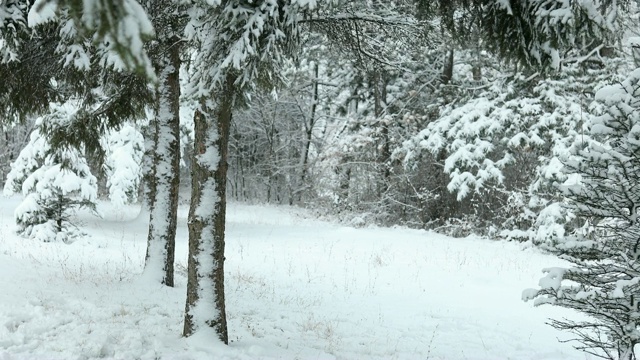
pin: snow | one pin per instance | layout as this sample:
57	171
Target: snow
297	288
553	278
310	4
505	4
41	12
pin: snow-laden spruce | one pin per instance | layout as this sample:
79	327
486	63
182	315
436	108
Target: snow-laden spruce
124	150
239	44
604	281
503	147
55	182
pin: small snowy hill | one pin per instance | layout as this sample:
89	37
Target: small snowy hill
296	289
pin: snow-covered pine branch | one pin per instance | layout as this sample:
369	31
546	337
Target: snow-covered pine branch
12	22
117	28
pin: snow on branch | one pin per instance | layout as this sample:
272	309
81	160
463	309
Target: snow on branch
118	27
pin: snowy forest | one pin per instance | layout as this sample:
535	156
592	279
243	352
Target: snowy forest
308	179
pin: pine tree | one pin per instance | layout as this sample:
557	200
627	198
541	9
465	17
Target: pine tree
239	45
604	279
96	50
123	163
499	147
168	18
533	33
55	181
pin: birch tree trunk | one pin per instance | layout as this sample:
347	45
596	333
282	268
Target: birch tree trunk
205	305
166	168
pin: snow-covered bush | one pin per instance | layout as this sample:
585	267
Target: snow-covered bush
604	279
54	181
500	150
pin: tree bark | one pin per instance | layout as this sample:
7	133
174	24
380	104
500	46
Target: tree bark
447	71
205	306
166	168
147	185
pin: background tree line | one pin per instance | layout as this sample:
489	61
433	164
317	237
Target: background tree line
460	116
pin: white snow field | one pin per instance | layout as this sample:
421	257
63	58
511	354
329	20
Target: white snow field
296	288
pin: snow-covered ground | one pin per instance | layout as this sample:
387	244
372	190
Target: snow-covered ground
296	288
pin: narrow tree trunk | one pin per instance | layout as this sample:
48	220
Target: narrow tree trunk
476	69
205	305
380	102
626	352
166	169
59	212
309	129
242	182
344	176
447	71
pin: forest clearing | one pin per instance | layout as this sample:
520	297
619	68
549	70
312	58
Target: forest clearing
307	179
297	288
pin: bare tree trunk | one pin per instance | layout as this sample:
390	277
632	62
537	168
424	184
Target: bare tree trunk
476	69
344	176
447	72
205	305
626	351
166	169
380	103
309	128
